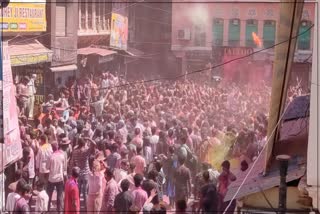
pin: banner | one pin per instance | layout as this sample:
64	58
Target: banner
119	31
12	149
24	16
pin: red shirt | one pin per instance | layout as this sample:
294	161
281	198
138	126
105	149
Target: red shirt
71	194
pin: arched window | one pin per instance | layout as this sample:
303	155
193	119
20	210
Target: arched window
269	33
251	26
304	35
217	32
234	32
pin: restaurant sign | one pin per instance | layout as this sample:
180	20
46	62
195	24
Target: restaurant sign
237	51
24	16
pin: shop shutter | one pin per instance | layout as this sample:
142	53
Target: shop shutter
234	32
60	20
304	36
269	33
251	26
217	32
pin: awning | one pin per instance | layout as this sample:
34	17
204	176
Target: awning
256	182
64	68
33	52
96	51
134	52
129	52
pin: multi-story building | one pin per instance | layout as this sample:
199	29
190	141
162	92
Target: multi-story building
24	26
63	16
85	38
205	33
24	51
102	35
150	33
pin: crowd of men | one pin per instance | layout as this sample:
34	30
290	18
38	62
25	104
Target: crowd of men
139	147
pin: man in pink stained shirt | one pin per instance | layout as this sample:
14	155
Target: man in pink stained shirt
139	195
139	161
110	192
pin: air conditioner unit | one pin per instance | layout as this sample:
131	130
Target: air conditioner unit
184	34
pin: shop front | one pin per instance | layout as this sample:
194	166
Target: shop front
100	60
198	60
29	59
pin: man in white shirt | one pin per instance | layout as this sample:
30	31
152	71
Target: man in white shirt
57	166
13	197
42	199
154	140
105	84
31	167
42	159
122	173
98	106
32	92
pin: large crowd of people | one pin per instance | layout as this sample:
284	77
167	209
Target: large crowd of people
142	147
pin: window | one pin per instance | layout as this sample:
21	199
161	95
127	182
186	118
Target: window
251	26
269	33
61	20
199	36
304	36
234	32
90	17
217	32
83	13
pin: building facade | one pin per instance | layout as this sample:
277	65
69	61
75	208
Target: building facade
205	32
150	33
102	36
28	35
63	16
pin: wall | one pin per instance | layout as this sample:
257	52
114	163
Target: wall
150	32
187	15
64	46
313	166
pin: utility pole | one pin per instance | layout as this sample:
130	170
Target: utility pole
283	163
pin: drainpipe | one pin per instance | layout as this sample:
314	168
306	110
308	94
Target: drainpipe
283	160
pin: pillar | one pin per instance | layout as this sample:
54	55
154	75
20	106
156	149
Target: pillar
86	2
260	29
94	27
242	33
79	13
226	23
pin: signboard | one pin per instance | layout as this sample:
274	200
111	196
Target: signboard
119	31
205	55
237	51
24	16
105	59
29	59
12	149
